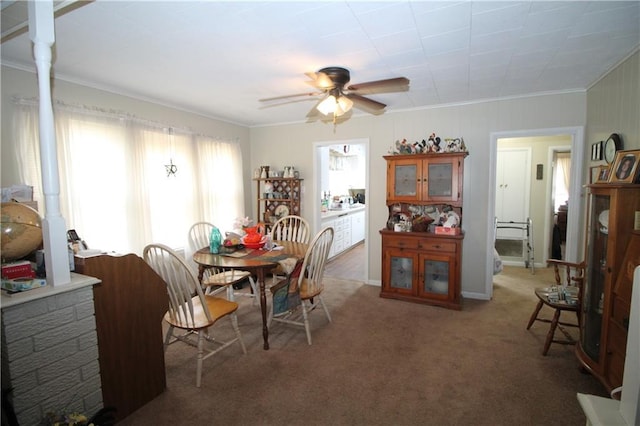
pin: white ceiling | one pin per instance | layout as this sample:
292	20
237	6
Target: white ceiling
218	58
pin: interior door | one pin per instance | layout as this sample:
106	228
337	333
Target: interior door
512	189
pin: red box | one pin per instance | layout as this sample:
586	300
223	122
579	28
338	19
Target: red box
444	230
19	269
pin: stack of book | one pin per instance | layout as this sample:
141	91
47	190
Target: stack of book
19	276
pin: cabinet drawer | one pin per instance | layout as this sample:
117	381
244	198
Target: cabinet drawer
401	241
434	244
439	246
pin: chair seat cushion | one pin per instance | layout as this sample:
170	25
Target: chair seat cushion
308	292
226	278
218	308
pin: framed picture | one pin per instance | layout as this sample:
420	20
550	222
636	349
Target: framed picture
625	167
596	151
603	174
595	172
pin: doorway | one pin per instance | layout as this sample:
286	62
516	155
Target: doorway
327	180
513	188
541	166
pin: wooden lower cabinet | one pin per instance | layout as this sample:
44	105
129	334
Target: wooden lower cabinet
422	267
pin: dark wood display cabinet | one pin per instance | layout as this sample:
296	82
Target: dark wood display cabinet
606	299
422	266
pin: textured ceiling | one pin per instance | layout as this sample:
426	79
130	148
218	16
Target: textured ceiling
218	58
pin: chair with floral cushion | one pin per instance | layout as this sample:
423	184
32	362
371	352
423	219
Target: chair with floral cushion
299	294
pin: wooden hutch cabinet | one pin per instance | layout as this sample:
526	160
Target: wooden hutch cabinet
277	196
421	266
425	178
606	300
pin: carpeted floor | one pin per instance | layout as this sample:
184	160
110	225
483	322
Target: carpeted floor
384	362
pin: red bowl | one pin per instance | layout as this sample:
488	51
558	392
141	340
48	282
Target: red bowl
257	245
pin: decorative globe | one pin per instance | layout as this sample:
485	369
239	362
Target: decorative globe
21	231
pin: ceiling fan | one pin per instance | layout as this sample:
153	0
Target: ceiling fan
338	98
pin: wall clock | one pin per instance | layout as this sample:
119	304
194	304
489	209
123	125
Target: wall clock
611	146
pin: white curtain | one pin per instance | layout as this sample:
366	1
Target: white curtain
561	183
564	167
116	187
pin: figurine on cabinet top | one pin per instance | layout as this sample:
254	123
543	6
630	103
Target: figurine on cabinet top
434	144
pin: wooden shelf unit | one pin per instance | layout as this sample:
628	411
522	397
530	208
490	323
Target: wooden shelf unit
289	190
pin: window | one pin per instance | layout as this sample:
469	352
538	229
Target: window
115	189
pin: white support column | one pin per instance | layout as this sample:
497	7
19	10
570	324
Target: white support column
41	32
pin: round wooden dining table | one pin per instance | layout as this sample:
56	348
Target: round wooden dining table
258	262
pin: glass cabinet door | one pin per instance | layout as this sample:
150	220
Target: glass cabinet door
406	177
594	285
401	272
436	275
440	178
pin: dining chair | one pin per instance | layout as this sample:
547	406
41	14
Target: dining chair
217	280
565	295
289	228
190	310
303	287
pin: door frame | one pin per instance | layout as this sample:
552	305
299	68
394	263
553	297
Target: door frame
574	219
317	190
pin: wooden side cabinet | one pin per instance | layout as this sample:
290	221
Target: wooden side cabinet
421	267
130	303
606	296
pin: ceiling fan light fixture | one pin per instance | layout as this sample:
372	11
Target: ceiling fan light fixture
344	103
328	105
336	106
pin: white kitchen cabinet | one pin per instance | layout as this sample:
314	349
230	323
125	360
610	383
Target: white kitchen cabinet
348	229
339	230
357	228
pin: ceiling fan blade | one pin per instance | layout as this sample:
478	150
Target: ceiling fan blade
320	80
313	113
399	84
267	105
275	98
366	103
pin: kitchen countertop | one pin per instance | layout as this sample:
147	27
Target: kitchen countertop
335	213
